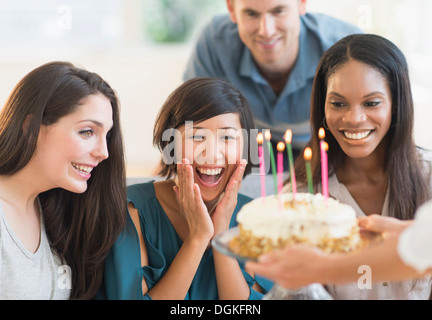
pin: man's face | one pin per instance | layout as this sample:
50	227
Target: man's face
270	29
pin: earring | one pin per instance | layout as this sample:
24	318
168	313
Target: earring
325	124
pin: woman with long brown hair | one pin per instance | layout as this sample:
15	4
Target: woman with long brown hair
62	183
362	97
402	164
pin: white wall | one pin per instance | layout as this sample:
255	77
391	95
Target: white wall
143	79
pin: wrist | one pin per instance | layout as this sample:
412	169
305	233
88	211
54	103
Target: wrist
335	269
220	228
198	240
325	269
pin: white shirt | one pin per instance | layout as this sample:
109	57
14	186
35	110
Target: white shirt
415	242
418	289
26	275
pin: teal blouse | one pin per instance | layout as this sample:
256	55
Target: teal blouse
123	270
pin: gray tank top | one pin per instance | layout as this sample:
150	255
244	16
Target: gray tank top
26	275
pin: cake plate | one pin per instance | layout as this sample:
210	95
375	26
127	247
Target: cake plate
313	291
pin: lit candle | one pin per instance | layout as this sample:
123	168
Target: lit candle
326	193
261	164
308	158
324	163
280	169
288	138
280	148
272	159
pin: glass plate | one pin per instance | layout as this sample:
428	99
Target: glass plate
221	243
314	291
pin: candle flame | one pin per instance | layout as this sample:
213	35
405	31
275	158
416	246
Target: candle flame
326	147
321	133
308	154
260	138
280	146
267	135
288	136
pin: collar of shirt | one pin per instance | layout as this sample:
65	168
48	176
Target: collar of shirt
340	192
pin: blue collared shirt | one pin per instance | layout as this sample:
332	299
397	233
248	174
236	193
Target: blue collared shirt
220	53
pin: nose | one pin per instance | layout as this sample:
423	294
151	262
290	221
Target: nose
100	150
212	152
267	26
354	115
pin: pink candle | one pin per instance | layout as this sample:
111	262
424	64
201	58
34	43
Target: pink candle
280	148
260	140
324	163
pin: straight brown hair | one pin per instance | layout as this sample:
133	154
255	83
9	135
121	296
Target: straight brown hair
80	227
409	187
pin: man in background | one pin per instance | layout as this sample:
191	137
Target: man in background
269	50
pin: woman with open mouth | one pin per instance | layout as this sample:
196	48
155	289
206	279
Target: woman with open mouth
62	183
164	251
362	97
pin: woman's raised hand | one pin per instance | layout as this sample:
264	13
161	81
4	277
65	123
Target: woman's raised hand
222	214
191	205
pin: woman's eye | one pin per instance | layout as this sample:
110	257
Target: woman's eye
372	103
86	133
337	104
198	138
195	137
227	138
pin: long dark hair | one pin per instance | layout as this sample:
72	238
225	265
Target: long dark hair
197	100
409	187
80	227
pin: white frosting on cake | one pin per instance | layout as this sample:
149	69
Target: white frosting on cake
310	217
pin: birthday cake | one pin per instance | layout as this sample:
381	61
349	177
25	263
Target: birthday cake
270	223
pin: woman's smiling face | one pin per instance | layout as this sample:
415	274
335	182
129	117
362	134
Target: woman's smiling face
214	149
358	108
68	150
